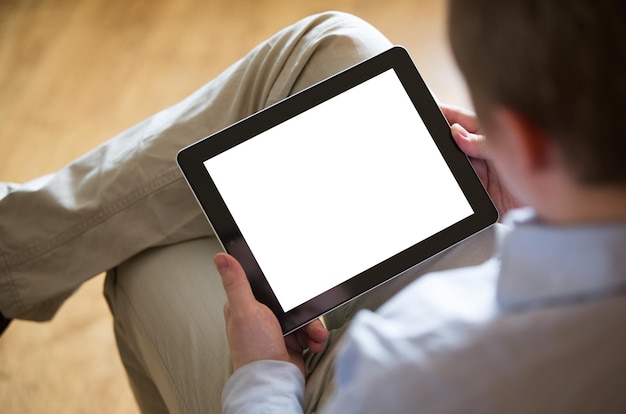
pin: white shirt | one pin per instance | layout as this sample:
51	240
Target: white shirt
541	327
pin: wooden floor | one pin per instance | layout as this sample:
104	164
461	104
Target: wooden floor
74	73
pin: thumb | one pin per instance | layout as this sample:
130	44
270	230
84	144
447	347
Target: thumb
234	280
472	145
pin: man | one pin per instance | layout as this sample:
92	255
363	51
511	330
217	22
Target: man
536	328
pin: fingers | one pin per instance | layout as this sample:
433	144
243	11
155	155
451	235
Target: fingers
240	297
234	280
471	144
465	130
316	331
458	115
317	335
312	336
253	332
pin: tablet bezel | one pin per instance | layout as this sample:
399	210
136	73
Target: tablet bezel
191	161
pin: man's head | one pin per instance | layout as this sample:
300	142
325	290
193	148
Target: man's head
560	66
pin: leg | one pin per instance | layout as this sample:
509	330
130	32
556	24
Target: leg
128	194
167	301
167	305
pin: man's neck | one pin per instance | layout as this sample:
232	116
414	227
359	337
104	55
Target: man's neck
584	205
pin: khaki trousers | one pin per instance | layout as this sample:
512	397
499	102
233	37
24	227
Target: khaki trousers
125	207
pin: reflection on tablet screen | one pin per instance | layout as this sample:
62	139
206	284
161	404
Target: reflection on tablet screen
338	189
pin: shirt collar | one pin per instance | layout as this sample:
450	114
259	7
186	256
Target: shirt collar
542	263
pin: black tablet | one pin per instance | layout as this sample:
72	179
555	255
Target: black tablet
337	189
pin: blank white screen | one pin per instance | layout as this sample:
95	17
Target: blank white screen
336	190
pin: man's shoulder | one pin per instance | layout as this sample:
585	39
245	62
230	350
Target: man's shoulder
463	344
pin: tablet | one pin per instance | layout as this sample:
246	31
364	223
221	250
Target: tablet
337	189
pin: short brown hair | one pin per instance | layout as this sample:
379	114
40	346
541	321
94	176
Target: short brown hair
561	64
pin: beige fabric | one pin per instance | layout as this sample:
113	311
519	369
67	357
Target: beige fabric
168	307
128	195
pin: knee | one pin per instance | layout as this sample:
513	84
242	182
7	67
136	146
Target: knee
348	32
332	42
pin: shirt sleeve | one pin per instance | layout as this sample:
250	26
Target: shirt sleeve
264	387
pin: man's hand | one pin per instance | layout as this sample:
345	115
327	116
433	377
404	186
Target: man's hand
467	134
252	329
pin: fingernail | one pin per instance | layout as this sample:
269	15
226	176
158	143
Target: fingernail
458	129
221	262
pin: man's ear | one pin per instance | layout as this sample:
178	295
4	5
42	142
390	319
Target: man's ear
531	144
